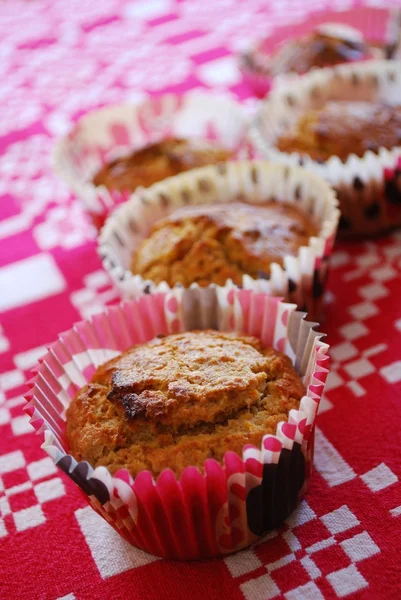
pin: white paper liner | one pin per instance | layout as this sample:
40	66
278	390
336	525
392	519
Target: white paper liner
117	130
198	515
302	277
359	182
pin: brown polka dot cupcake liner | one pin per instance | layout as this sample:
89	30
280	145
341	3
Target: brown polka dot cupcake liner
225	506
301	279
367	203
115	131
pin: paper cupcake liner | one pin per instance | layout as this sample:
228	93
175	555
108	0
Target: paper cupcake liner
359	182
379	26
229	505
301	279
107	133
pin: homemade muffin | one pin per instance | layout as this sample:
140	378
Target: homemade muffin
328	45
210	244
178	400
344	128
158	161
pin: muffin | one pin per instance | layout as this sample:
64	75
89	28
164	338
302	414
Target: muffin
328	45
344	128
191	439
344	124
178	400
214	243
157	161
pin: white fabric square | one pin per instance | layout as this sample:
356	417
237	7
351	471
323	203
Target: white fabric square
329	462
359	368
29	517
242	562
41	277
373	291
4	416
379	478
310	567
20	425
353	331
41	468
340	520
310	591
4	507
110	552
346	581
343	351
324	405
12	461
392	372
49	490
11	379
262	587
383	273
359	547
364	310
301	515
333	380
3	530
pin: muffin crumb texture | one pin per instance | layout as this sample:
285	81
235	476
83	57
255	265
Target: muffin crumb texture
157	161
211	244
178	400
344	128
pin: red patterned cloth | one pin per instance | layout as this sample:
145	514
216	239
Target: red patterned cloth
58	60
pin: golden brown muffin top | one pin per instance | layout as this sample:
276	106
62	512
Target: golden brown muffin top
325	47
344	128
157	161
177	400
211	244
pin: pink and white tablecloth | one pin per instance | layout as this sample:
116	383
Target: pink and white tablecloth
58	60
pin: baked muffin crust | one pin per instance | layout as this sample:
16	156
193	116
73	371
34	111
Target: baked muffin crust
157	161
327	46
178	400
344	128
210	244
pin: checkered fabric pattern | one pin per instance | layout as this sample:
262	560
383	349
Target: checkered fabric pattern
58	60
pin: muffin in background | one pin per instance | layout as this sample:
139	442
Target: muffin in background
155	162
344	124
344	128
212	244
178	400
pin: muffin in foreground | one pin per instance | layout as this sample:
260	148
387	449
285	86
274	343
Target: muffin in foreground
343	123
178	400
213	505
212	244
157	161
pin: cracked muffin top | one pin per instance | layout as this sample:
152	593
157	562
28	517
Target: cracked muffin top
177	400
344	128
211	244
157	161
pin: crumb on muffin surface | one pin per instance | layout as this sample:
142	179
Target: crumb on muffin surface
178	400
214	243
157	161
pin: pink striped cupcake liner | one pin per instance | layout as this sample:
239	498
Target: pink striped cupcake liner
113	131
202	514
